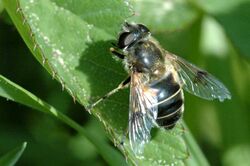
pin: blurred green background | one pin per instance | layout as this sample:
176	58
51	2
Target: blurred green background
214	38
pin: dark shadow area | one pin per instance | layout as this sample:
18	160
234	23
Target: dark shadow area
104	73
154	132
210	149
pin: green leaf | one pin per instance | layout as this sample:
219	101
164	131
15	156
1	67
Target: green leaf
164	16
1	6
13	156
234	16
72	39
12	91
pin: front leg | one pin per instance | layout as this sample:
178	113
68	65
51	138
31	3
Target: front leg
122	85
117	53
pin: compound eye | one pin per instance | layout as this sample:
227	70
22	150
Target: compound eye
125	39
143	28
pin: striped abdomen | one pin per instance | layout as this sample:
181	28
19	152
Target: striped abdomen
170	101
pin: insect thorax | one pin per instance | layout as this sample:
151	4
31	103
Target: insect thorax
146	57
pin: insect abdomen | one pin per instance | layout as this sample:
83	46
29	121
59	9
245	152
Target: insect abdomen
170	100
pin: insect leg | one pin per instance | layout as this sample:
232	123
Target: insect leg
124	137
122	85
116	53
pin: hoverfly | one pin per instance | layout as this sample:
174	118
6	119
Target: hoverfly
157	79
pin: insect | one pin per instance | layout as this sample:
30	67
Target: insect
157	79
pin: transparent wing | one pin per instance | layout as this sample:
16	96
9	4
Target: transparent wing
197	81
142	114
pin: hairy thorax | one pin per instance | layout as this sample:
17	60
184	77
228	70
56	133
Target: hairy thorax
146	57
